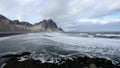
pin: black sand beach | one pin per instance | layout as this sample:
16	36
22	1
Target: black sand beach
8	34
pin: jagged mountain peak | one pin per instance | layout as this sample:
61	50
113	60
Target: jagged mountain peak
3	17
15	25
24	23
47	24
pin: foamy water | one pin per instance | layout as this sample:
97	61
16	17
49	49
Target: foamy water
49	47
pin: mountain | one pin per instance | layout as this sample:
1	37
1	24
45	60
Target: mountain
46	25
7	25
23	23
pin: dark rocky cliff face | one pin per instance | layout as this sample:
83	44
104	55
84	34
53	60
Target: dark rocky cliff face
23	23
51	24
46	25
4	19
7	25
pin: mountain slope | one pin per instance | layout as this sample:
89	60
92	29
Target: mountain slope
46	25
7	25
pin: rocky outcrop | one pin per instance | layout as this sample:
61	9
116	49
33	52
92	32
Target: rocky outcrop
46	25
78	62
7	25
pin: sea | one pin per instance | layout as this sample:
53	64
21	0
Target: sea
52	46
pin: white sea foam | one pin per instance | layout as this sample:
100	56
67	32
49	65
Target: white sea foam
3	38
53	46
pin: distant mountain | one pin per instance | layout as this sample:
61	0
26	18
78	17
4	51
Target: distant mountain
46	25
23	23
7	25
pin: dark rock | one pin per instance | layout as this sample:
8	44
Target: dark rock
51	24
80	62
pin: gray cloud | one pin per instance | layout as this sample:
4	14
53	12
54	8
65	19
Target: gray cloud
64	12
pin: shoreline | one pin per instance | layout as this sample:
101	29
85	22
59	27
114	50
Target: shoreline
9	34
79	62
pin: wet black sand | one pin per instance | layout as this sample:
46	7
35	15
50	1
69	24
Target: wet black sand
9	34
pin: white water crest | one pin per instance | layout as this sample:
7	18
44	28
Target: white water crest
49	47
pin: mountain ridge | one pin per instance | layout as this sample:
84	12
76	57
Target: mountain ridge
7	25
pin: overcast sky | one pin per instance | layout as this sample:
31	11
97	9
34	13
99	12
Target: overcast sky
71	15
